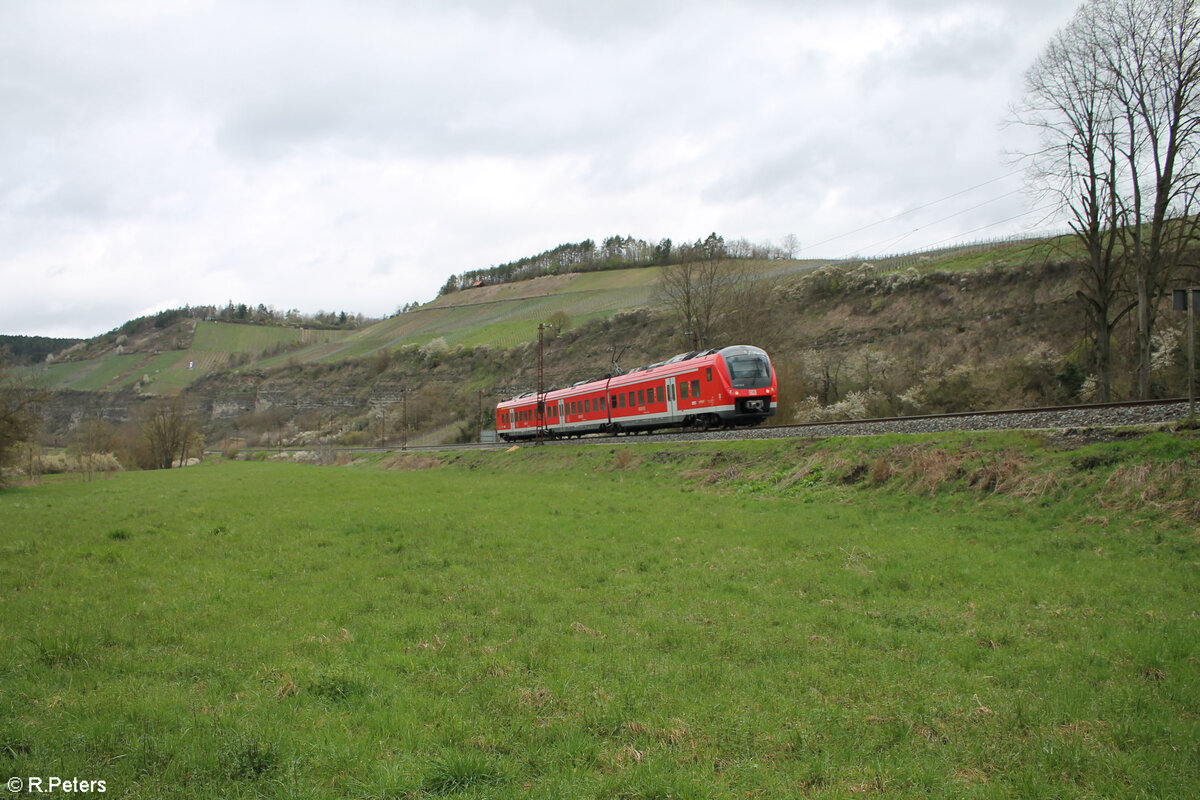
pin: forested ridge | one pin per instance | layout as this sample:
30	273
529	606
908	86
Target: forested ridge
618	252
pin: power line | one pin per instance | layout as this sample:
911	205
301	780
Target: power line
957	214
915	208
959	237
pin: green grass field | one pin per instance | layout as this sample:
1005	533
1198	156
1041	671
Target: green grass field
986	617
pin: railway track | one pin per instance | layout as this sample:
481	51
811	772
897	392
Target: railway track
1096	415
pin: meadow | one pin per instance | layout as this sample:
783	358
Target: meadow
992	617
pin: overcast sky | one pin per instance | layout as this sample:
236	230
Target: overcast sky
352	154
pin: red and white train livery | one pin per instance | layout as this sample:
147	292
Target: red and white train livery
726	387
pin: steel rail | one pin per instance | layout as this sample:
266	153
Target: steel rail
772	431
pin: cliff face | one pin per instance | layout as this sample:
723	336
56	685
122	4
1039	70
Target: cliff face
65	409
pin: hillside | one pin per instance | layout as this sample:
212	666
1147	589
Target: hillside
162	359
990	327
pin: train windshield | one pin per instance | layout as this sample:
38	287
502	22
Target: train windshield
748	369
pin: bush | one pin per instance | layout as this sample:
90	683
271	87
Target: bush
62	463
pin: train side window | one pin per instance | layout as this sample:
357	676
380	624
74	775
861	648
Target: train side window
708	373
659	391
683	390
641	397
614	401
602	404
621	397
696	388
587	405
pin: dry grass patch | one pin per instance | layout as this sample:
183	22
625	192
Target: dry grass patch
1172	487
409	462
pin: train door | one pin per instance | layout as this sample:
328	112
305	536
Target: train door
562	413
672	402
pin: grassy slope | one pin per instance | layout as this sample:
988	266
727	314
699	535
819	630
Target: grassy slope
213	346
966	617
504	316
498	316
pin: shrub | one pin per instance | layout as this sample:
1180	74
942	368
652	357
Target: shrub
62	463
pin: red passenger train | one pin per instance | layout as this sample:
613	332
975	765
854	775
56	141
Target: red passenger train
726	387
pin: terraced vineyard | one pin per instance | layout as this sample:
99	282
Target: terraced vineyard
214	346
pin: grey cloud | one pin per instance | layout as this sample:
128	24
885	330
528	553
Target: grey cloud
971	54
216	134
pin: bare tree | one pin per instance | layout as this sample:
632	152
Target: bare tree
168	430
697	290
93	437
1069	103
790	245
1115	96
1153	57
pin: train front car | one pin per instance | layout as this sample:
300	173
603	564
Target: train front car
750	382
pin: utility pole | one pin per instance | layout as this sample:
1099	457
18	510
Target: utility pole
1186	300
384	398
541	381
